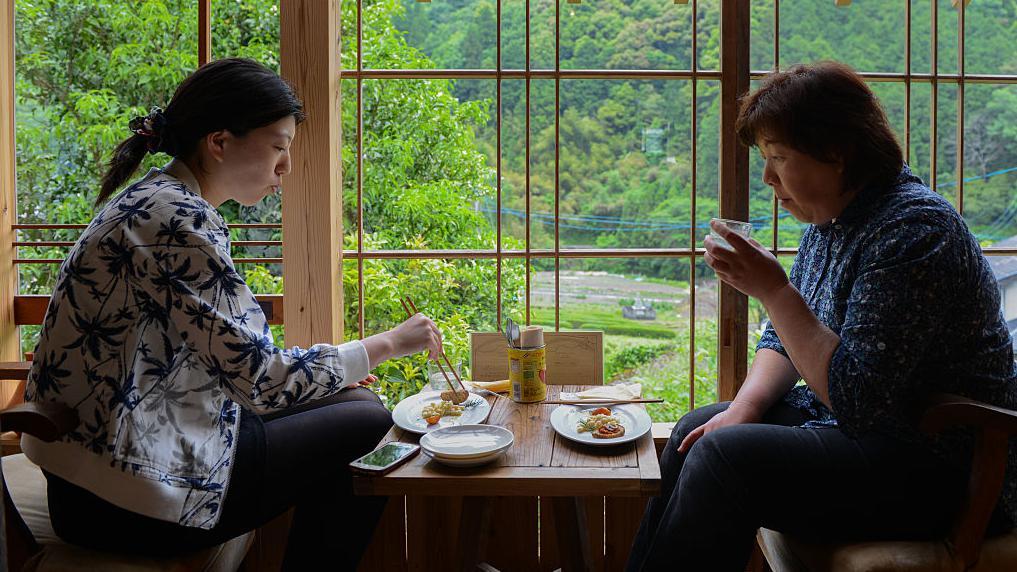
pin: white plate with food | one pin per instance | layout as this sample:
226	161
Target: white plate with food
601	425
427	411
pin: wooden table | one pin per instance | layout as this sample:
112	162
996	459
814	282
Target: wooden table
540	463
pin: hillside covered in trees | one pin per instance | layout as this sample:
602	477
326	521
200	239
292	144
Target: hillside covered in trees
85	67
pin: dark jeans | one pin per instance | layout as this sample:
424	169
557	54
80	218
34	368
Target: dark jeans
294	458
813	483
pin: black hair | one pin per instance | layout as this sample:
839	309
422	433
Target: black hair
232	94
826	111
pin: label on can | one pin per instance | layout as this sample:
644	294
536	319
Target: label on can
527	374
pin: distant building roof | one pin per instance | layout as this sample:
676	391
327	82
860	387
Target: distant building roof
1004	267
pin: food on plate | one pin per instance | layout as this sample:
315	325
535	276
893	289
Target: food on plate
495	386
433	412
596	419
609	431
458	396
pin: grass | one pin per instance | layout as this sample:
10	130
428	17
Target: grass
665	374
605	318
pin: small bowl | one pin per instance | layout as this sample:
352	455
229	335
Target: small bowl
465	442
471	462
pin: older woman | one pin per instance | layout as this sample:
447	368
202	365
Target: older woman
889	300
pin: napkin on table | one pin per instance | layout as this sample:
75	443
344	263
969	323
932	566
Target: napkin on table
605	392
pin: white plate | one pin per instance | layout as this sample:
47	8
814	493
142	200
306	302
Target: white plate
466	441
471	462
406	414
635	420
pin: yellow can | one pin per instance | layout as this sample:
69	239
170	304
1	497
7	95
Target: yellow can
527	374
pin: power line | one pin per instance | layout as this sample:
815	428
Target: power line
601	223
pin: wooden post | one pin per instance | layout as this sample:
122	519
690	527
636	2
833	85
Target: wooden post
312	193
204	32
732	307
10	345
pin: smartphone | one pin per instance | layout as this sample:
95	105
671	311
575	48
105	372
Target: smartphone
385	458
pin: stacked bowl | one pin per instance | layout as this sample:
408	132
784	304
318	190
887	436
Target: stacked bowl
466	445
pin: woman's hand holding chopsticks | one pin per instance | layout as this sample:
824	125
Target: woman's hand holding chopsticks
415	334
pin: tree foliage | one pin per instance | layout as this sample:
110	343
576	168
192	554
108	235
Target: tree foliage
624	172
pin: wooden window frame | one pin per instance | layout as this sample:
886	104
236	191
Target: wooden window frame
309	40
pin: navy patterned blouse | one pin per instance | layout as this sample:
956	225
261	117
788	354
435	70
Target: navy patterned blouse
900	278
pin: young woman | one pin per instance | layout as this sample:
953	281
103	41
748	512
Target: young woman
194	427
889	300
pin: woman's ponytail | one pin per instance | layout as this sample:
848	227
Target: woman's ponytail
126	159
149	137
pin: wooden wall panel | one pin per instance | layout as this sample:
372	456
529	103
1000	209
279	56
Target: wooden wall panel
312	193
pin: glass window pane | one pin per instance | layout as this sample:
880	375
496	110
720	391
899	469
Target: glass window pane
542	146
891	98
946	143
1004	268
642	306
706	337
639	34
866	34
348	149
761	35
921	130
990	162
708	35
624	173
513	290
988	37
77	87
513	165
459	295
947	37
418	35
247	29
707	157
921	36
428	167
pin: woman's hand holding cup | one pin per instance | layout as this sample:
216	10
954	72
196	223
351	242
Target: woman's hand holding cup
742	262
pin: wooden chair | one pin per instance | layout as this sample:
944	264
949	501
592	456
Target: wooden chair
965	548
31	543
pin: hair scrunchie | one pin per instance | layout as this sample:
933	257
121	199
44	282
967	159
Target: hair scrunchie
152	127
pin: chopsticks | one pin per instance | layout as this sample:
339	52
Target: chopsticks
410	314
598	401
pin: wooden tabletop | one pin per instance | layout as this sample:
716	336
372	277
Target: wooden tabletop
540	462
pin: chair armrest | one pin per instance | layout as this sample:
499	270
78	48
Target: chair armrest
946	410
16	370
993	427
47	421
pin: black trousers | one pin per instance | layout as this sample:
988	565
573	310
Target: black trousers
295	458
814	483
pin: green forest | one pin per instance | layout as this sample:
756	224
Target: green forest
84	68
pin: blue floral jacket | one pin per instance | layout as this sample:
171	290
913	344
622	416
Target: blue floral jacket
902	281
157	342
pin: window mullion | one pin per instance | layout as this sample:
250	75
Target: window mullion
732	307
